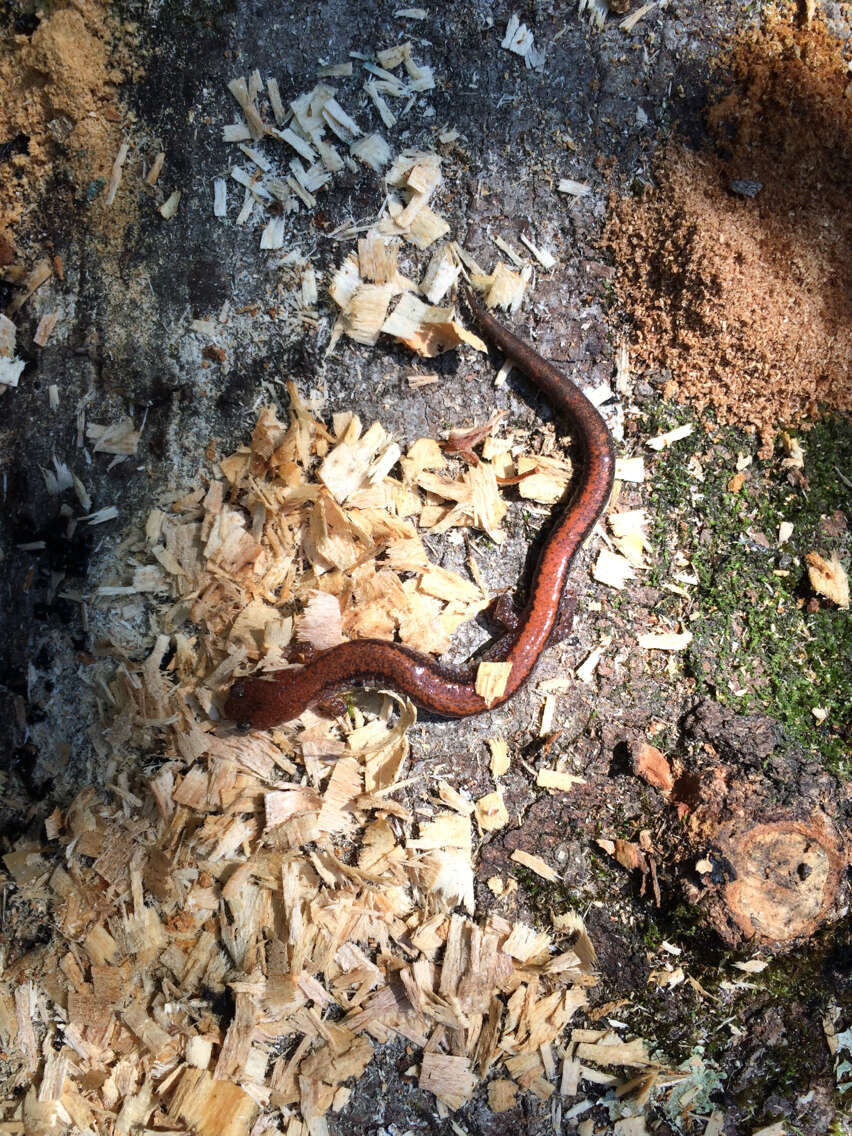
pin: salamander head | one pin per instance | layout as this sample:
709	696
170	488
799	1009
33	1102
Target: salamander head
261	703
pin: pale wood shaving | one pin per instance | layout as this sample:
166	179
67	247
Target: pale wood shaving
630	22
499	748
454	799
441	273
585	671
38	275
544	479
630	469
663	441
45	328
366	312
8	335
491	812
239	88
156	168
829	578
428	330
119	438
491	681
503	288
630	534
169	207
613	569
665	641
535	864
574	188
557	779
115	173
451	1079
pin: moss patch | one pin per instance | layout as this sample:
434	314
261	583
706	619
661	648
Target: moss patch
762	640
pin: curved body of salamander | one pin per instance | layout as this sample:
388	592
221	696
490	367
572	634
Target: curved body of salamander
260	703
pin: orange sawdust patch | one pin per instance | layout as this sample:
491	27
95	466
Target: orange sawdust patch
58	104
748	300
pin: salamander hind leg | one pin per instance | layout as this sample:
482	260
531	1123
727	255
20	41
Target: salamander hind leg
564	618
503	612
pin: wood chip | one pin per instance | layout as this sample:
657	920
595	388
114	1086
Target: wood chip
170	206
156	168
240	90
585	672
630	469
499	756
555	779
535	864
210	1107
630	530
41	272
630	22
527	945
115	174
343	789
427	330
546	259
574	188
503	288
372	150
612	569
8	335
45	328
492	680
664	441
828	578
491	812
611	1050
666	641
441	273
454	799
449	1078
119	438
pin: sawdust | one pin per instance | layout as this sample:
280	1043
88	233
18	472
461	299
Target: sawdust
748	300
60	120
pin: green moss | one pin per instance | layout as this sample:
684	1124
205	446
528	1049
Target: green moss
756	645
544	899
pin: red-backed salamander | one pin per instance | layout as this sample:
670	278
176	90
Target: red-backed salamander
261	702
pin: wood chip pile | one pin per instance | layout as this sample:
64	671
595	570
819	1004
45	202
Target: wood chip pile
235	932
302	138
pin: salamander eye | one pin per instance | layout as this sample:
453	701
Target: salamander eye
238	690
243	727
